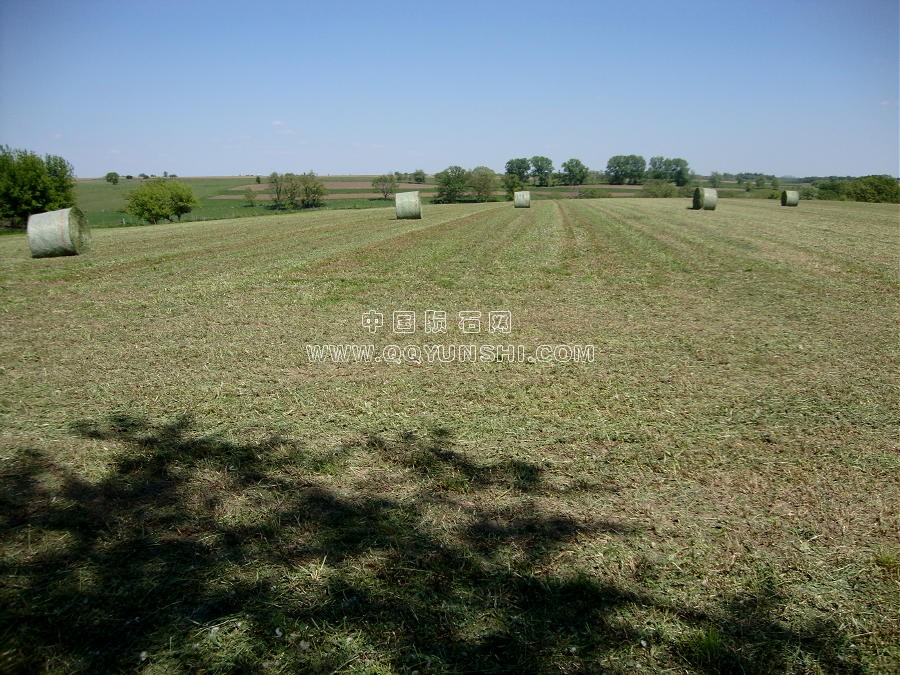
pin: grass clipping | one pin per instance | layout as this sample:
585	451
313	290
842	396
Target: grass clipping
55	233
409	206
790	198
705	199
522	199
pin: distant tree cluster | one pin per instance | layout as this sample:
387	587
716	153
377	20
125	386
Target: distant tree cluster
456	184
674	170
753	179
538	170
574	172
31	184
292	191
634	169
876	188
160	199
417	176
388	183
623	169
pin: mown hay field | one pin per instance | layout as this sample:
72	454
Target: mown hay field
183	489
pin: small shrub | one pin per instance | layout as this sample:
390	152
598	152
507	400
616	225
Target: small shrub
809	192
160	199
658	188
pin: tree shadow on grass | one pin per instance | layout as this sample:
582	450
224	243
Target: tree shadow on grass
198	552
745	633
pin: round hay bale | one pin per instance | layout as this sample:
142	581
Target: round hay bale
408	205
522	199
705	198
63	232
790	197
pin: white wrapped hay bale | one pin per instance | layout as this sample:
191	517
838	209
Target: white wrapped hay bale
705	198
790	197
408	205
63	232
522	199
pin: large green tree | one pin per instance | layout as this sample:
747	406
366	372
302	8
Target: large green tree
519	167
541	169
482	181
30	184
574	172
452	184
160	199
623	169
675	170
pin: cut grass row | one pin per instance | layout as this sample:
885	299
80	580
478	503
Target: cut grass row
717	492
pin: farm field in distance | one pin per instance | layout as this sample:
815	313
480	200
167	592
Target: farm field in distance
183	489
222	197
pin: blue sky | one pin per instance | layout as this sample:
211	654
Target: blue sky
221	88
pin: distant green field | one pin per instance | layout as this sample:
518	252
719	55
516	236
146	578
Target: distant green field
103	202
185	488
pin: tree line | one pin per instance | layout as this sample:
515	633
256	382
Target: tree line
293	191
457	184
32	184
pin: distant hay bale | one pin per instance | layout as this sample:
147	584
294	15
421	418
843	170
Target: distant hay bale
63	232
790	197
522	199
705	198
408	205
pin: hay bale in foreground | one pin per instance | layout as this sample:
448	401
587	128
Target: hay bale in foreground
705	198
790	197
408	205
63	232
522	199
